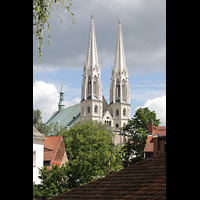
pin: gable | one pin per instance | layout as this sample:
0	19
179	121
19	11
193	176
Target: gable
54	150
52	143
106	114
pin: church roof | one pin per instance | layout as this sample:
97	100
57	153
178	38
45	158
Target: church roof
66	117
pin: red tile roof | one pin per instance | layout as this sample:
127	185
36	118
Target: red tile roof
144	180
149	144
52	143
54	150
161	130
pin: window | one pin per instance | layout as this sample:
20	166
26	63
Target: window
118	90
34	159
89	85
117	112
124	112
95	108
117	125
47	163
88	109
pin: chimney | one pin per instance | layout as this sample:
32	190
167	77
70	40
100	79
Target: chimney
159	144
150	128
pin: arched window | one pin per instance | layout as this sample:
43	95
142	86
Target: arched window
117	125
89	85
124	112
95	108
118	89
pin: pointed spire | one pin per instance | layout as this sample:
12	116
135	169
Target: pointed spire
61	103
120	63
92	59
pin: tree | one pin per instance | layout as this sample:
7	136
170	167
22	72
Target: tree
137	130
90	153
53	182
41	14
47	130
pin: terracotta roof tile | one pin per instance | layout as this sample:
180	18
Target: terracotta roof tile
144	180
161	130
57	148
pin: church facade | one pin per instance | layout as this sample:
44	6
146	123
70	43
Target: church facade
93	105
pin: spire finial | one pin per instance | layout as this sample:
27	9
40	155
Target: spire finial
92	16
62	86
119	21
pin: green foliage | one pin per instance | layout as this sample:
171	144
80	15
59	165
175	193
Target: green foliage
54	182
41	14
137	131
90	152
51	129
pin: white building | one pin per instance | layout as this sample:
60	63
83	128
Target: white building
93	105
38	154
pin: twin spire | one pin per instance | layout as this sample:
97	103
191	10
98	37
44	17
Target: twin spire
92	58
120	63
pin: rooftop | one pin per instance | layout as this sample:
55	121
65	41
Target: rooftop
153	131
66	117
144	180
52	145
37	134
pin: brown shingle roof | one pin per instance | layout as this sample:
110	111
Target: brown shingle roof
144	180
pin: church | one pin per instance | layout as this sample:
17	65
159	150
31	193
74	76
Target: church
93	104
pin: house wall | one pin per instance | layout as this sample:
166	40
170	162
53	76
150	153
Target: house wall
38	148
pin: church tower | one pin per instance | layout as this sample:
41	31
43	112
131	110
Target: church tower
91	90
119	105
61	104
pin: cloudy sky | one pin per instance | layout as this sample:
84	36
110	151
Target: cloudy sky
144	34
